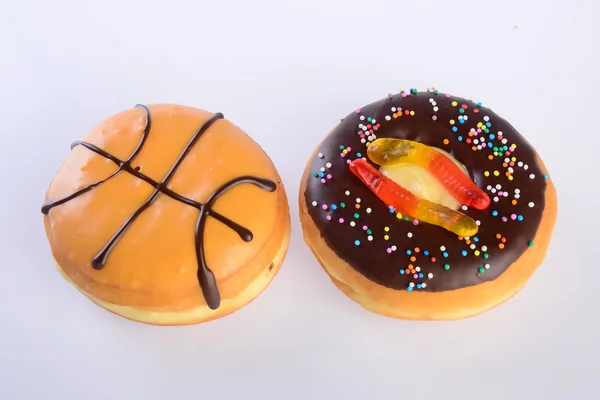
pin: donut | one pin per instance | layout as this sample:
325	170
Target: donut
167	215
427	206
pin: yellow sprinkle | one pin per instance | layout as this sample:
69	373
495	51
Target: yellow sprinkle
496	173
345	151
368	144
510	178
386	237
452	122
513	159
477	252
479	124
399	215
412	113
454	104
514	146
387	229
486	173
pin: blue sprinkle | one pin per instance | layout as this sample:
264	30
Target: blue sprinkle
479	104
488	124
476	239
546	176
492	136
420	275
426	252
333	207
401	272
391	210
358	155
357	242
464	253
408	252
409	289
418	286
454	129
520	218
321	174
445	254
495	213
460	138
461	121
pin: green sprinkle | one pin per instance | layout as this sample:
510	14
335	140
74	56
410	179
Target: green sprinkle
342	147
342	205
447	267
414	91
436	92
369	232
369	119
486	255
315	174
355	215
406	218
530	243
481	270
461	111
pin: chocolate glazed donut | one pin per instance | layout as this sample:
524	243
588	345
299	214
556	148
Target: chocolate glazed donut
404	254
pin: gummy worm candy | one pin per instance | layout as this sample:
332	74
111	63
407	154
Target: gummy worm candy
393	151
407	203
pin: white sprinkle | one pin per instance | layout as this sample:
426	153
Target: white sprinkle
328	165
364	128
507	160
531	204
493	190
393	109
368	210
472	130
433	103
358	199
520	163
418	269
411	284
479	147
360	126
511	170
362	117
483	248
352	223
460	117
532	176
468	238
496	199
314	203
517	191
478	222
517	196
348	161
487	266
482	139
409	234
322	169
499	133
321	155
443	248
476	141
489	187
347	193
431	100
369	238
394	248
525	167
430	275
505	194
373	121
486	118
423	285
464	208
363	141
472	247
435	108
498	186
387	118
465	118
504	141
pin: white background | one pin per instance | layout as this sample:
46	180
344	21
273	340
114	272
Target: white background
286	72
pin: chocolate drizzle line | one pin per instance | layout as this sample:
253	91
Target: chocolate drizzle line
206	278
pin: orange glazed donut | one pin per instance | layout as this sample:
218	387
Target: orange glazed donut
168	215
427	206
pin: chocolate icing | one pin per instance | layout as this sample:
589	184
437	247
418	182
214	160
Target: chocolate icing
372	258
206	278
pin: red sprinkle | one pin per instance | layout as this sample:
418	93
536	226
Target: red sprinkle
432	259
476	110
